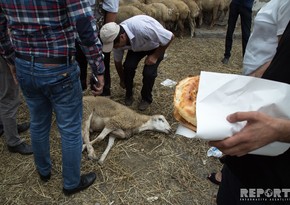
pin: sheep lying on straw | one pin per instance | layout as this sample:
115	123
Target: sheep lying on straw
115	120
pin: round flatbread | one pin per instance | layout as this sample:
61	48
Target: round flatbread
185	101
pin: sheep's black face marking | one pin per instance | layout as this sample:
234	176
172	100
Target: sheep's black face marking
160	119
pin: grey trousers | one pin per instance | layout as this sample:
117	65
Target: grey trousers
9	102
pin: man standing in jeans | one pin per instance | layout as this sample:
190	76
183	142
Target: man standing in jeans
242	8
43	36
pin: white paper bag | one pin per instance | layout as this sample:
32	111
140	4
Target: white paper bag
222	94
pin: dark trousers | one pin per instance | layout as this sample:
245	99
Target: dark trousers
149	74
229	192
83	64
246	22
107	75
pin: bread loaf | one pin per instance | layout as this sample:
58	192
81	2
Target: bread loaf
185	101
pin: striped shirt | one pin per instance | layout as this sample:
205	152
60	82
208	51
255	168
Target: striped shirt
45	28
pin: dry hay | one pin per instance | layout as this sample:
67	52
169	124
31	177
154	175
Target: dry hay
171	168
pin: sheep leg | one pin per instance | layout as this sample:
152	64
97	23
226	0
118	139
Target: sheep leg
119	133
86	138
102	135
108	148
191	26
214	17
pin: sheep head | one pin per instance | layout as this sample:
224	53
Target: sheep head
160	124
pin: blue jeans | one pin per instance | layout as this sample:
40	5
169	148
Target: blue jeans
57	89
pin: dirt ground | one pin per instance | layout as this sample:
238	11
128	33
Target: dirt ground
150	168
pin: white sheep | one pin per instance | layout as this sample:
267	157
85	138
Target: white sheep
127	11
115	120
147	9
181	11
194	14
174	12
163	13
218	9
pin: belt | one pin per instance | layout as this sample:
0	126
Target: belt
46	60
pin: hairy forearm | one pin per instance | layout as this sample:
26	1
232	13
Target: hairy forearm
161	49
283	128
119	68
260	71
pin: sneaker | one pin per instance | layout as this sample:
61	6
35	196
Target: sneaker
143	105
225	60
86	181
22	148
23	127
129	101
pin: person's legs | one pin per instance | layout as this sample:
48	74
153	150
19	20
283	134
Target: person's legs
246	23
232	19
130	66
229	188
107	75
31	81
83	64
9	102
149	76
57	89
66	97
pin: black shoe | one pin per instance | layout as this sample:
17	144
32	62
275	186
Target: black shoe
212	178
129	101
143	105
225	60
45	178
22	148
1	130
23	127
86	181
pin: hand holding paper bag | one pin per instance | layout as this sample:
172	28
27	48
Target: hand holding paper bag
259	131
220	95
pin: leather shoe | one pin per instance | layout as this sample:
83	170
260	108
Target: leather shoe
45	178
22	148
143	105
23	127
86	181
129	101
225	60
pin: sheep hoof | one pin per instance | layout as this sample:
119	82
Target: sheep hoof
100	162
92	156
84	147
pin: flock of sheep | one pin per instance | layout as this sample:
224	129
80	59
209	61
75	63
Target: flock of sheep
175	15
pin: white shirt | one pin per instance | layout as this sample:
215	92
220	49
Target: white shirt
144	33
269	23
108	5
